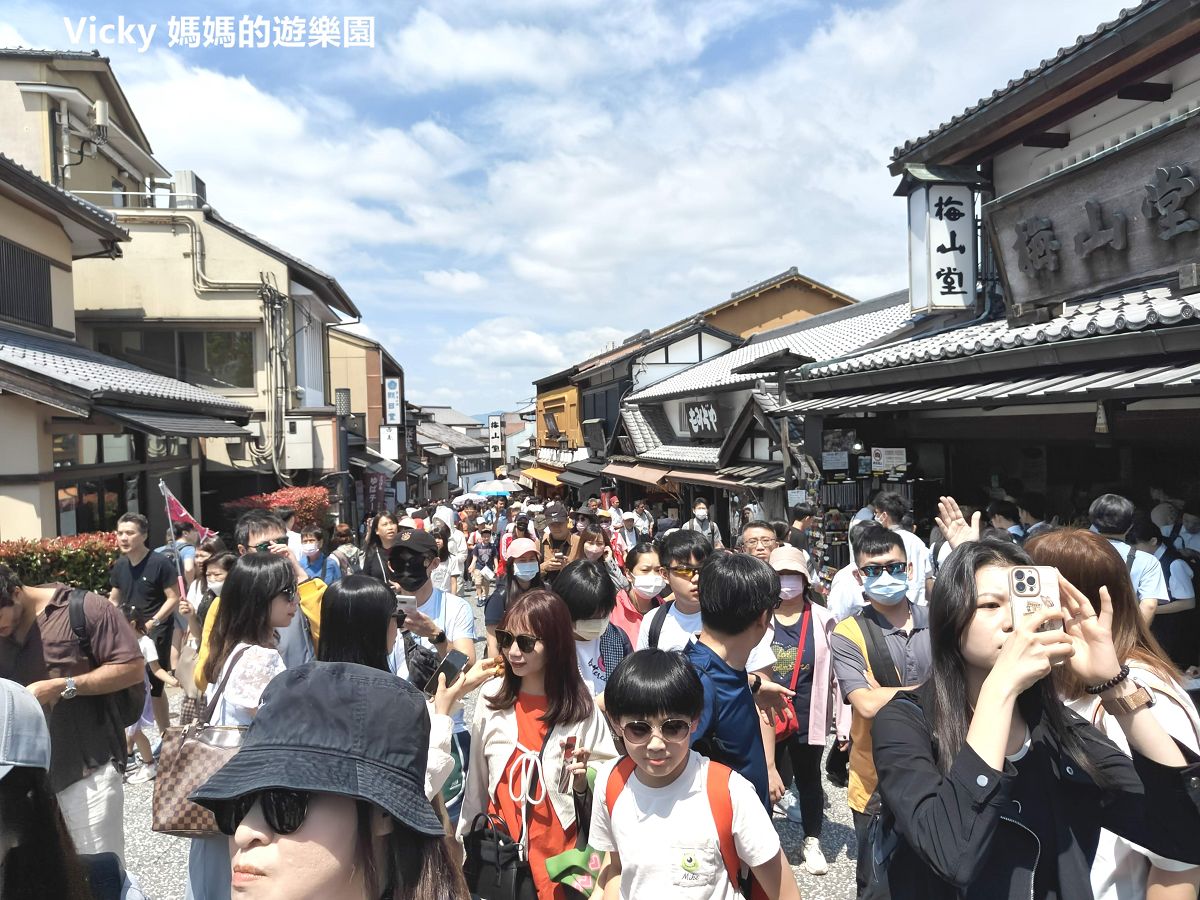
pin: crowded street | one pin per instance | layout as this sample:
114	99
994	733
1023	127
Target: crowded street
585	450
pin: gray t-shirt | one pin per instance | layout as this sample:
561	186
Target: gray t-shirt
910	651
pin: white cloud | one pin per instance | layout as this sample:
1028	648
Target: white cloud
455	281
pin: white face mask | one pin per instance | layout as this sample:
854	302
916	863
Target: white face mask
590	629
701	515
215	587
791	586
592	552
311	549
649	585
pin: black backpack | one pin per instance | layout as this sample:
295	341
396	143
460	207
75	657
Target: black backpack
126	704
656	624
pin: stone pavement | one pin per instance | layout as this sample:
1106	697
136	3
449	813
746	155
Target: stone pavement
160	862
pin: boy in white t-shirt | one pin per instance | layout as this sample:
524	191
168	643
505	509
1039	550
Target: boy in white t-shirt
674	823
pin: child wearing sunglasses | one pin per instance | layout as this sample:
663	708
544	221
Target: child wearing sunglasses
673	822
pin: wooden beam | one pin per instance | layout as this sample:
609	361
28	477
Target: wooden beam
1054	139
1151	91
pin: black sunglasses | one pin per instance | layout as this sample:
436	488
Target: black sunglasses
673	731
284	810
505	639
265	546
874	570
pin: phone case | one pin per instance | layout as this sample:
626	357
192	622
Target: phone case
1034	588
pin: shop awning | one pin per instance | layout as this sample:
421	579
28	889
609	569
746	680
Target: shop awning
647	475
764	477
590	467
171	424
545	476
372	461
576	480
709	479
1136	382
415	469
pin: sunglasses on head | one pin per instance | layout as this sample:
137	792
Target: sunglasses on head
284	810
505	639
673	731
265	546
874	570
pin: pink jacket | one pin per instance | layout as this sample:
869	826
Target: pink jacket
825	705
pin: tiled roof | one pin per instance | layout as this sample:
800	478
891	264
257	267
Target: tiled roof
824	336
683	454
59	200
444	434
52	54
1064	53
1132	311
94	374
654	439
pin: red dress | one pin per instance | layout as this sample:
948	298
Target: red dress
546	835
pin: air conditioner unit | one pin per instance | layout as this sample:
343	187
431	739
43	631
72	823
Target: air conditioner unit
189	192
297	443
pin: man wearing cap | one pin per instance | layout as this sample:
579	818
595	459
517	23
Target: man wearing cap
39	649
628	535
559	545
440	621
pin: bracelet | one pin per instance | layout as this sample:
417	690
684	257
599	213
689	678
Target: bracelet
757	682
1111	683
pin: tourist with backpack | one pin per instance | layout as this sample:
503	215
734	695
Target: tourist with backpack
675	823
78	656
878	652
700	522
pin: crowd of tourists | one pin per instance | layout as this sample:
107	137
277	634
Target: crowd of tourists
1006	705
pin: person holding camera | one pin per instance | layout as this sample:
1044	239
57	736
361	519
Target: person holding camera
990	786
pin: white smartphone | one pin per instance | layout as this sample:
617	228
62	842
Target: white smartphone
1031	589
406	602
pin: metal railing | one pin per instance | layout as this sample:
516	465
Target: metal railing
141	199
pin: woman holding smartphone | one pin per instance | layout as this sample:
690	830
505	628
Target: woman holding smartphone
990	786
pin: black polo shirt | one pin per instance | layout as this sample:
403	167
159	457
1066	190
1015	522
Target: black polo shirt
144	586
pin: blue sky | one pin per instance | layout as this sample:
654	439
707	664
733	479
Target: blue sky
507	186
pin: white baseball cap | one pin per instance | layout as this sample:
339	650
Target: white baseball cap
24	735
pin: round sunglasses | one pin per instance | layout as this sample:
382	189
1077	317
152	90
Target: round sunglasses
505	639
284	810
673	731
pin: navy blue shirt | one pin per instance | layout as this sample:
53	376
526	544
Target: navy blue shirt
728	728
784	646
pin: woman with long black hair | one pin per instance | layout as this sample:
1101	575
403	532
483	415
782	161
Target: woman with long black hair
258	599
990	786
381	537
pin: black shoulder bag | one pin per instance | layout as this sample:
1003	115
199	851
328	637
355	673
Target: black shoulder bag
126	704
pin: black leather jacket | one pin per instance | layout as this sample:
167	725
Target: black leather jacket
957	835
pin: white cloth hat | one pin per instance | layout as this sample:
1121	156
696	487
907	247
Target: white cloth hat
24	735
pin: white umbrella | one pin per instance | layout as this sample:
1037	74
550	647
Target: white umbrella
499	486
468	498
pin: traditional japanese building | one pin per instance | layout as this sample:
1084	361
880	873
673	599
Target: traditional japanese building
1069	364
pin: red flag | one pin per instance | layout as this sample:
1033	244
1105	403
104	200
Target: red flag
178	512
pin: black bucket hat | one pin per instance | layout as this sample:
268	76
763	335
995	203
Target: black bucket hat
335	728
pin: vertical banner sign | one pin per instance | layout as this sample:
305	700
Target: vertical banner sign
941	247
389	442
375	484
495	437
392	402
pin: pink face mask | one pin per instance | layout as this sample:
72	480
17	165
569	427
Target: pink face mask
592	552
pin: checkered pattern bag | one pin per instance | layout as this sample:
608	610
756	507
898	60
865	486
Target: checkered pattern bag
190	755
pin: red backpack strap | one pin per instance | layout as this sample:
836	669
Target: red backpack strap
722	813
617	779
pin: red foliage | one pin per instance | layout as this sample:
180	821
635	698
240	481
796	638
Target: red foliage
82	560
311	504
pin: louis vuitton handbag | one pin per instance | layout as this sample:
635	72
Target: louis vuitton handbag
190	755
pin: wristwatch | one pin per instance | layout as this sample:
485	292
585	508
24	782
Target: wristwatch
70	690
440	637
757	682
1130	703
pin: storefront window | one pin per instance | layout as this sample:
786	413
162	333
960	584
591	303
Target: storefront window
117	447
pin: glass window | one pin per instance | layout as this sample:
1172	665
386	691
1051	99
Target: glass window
117	447
217	359
156	446
154	350
68	500
89	449
133	493
66	452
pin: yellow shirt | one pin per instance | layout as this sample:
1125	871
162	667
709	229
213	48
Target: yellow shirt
863	779
311	592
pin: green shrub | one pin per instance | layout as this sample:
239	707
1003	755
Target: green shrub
83	560
311	504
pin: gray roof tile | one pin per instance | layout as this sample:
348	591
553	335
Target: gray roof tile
824	336
444	434
1132	311
58	199
92	373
